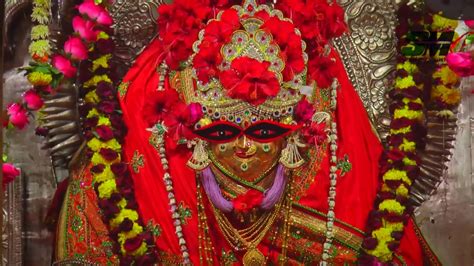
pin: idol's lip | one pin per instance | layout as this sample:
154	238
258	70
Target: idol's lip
244	154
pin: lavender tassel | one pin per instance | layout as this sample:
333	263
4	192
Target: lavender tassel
214	192
274	194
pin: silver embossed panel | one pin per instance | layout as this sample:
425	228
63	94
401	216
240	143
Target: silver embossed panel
368	52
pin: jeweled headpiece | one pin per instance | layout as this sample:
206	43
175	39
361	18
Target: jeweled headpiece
249	61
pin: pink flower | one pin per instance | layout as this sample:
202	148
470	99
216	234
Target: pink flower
304	111
85	29
469	23
10	172
33	100
95	12
461	62
195	111
65	66
17	115
76	48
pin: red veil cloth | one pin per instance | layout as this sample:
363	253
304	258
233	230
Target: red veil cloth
356	190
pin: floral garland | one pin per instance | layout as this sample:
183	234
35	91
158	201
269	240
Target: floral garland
400	165
445	94
39	74
103	128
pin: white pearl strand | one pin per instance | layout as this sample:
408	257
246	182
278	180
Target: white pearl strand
159	130
332	178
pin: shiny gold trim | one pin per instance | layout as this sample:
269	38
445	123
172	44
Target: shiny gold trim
318	227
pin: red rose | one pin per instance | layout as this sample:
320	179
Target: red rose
17	115
10	172
107	107
33	100
97	169
248	201
109	208
126	225
105	133
462	63
85	29
65	66
395	155
76	48
41	131
119	169
95	12
250	80
108	154
104	90
105	46
133	244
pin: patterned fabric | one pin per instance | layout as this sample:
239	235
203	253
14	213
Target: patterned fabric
81	234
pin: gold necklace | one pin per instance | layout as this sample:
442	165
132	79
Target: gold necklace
248	238
206	250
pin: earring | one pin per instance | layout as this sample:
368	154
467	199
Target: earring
290	155
200	158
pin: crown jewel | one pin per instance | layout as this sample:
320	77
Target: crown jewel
249	60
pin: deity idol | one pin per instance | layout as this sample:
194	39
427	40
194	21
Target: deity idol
247	145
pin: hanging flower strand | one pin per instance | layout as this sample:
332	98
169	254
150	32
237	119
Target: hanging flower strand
400	165
104	131
92	45
39	74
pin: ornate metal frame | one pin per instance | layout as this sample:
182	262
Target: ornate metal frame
369	52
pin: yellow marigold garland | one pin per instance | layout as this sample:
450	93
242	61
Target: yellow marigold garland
445	94
400	165
106	179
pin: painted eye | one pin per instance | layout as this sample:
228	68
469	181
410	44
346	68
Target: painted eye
268	131
219	132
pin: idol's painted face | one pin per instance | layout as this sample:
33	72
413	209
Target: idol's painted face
248	150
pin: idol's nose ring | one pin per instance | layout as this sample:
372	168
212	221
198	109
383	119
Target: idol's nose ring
245	148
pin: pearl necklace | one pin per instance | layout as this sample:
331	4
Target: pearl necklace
332	179
158	132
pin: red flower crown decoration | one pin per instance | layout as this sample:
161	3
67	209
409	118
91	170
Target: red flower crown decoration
249	51
247	59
